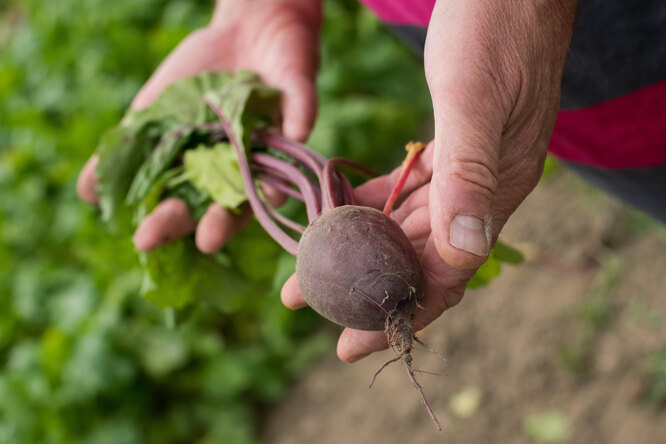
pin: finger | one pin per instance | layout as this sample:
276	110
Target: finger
169	221
375	192
416	199
275	197
357	344
444	286
86	184
299	108
291	296
468	132
291	66
194	55
440	294
417	228
218	225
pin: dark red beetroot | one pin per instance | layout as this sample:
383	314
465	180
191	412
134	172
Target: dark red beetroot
356	267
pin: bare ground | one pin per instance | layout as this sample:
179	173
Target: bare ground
568	332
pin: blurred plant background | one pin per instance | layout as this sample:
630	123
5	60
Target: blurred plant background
83	359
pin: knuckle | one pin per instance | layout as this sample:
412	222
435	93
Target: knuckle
477	171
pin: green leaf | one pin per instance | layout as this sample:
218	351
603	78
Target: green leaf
197	202
505	253
254	253
164	351
160	160
154	195
214	171
490	269
120	155
178	272
55	351
247	103
146	143
181	103
486	272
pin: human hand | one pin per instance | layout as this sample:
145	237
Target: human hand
494	71
277	39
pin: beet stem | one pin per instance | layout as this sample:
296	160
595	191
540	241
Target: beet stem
296	176
282	238
280	177
285	221
278	184
306	156
414	150
354	166
328	190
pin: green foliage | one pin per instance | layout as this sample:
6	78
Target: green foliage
550	168
500	253
135	155
372	90
83	359
215	173
508	254
247	103
180	125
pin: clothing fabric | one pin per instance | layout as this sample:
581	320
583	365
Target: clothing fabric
613	105
642	188
611	127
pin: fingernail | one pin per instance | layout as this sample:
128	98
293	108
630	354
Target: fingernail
468	233
357	357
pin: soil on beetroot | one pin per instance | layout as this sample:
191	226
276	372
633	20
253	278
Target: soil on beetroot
568	332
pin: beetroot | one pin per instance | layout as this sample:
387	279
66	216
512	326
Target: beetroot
356	267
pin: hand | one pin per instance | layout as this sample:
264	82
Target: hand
277	39
494	71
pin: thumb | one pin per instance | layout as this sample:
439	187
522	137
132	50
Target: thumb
465	170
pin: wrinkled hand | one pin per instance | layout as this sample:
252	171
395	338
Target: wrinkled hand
494	70
277	39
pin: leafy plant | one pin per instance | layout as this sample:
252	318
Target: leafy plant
83	359
501	253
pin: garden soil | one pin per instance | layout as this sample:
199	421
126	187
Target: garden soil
554	350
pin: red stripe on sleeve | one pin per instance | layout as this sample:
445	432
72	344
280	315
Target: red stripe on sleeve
414	12
626	132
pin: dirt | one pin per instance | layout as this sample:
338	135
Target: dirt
567	332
